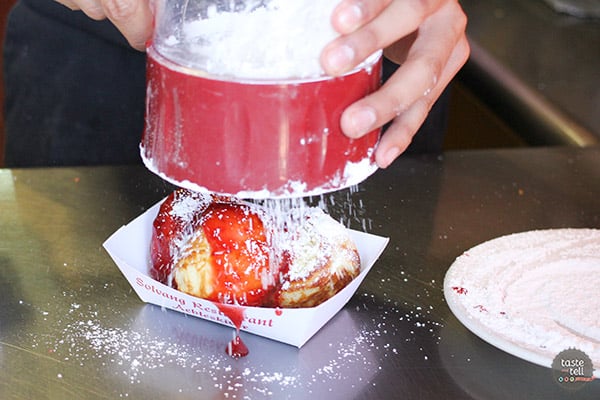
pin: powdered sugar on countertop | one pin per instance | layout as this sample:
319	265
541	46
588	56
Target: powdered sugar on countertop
158	351
535	290
125	349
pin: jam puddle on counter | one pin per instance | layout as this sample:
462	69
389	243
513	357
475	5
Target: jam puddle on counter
236	348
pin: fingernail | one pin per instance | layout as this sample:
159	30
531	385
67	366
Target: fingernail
362	121
340	59
349	18
390	155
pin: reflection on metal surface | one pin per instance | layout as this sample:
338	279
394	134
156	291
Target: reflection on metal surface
72	328
195	352
486	373
531	115
577	8
547	57
6	186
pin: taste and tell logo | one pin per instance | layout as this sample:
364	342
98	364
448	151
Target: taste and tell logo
572	369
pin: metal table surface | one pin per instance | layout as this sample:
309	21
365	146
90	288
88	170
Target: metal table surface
72	328
537	68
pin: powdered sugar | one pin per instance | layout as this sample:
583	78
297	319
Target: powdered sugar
313	239
533	294
299	242
352	174
167	353
187	206
274	39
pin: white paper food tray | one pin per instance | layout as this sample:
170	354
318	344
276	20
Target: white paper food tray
129	247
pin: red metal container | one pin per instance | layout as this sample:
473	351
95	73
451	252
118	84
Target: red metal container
255	138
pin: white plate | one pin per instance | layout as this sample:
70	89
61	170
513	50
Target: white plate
531	294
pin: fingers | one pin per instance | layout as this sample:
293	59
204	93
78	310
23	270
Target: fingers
132	17
92	8
369	25
430	57
350	15
399	134
422	67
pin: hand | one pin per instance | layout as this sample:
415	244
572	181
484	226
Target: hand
425	37
132	17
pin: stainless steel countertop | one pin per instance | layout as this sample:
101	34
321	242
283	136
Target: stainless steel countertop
72	328
537	68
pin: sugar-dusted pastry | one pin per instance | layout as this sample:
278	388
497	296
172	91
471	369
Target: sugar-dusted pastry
234	252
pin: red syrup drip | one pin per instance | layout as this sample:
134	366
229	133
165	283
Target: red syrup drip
236	348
